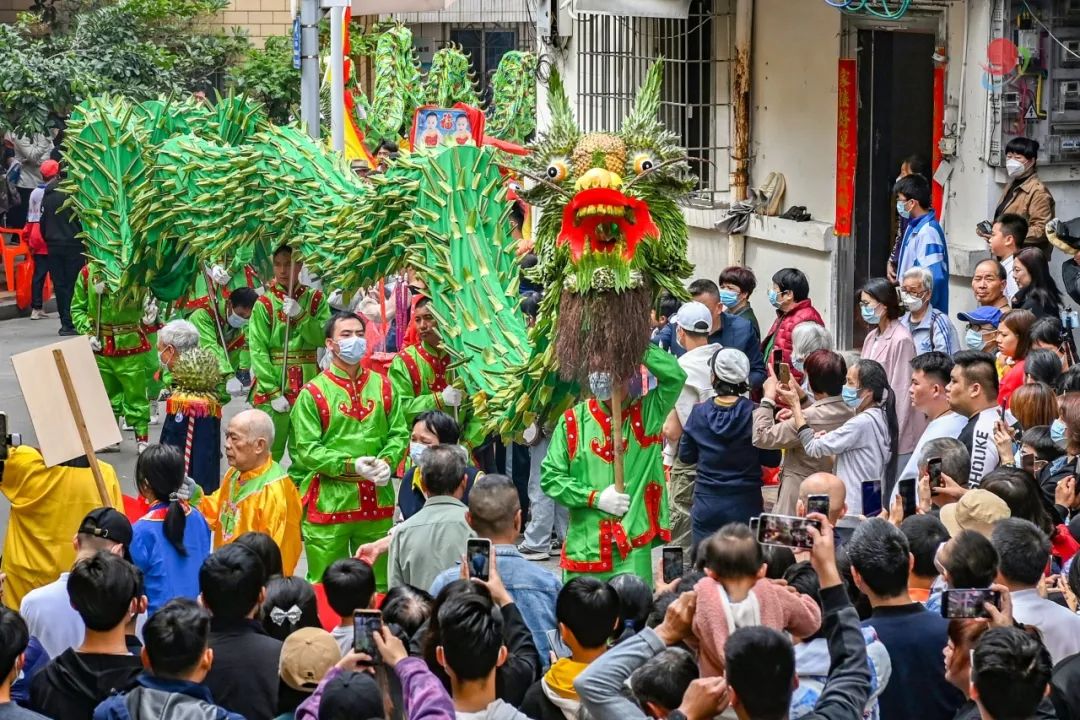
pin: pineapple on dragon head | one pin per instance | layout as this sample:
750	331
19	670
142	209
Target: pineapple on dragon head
611	234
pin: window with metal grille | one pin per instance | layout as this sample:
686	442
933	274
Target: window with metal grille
614	54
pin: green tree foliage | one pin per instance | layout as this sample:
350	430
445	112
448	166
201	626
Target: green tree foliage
268	76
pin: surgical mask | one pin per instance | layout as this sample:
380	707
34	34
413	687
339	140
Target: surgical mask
1018	458
851	397
1057	431
416	449
901	209
774	298
729	298
912	303
797	363
351	349
600	385
973	339
869	315
161	359
1014	167
237	322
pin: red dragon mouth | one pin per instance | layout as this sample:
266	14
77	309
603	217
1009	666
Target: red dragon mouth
603	216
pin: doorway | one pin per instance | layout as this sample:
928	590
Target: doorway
895	121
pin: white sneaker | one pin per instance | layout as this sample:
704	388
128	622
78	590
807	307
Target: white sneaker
142	445
155	418
38	315
125	427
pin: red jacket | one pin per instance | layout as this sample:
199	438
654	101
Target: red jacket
782	328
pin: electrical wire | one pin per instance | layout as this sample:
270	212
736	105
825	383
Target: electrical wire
1048	32
868	7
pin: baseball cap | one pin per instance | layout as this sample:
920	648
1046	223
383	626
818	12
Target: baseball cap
352	695
977	510
107	523
731	366
50	169
694	317
306	656
982	315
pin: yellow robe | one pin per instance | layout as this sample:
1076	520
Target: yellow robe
47	506
271	505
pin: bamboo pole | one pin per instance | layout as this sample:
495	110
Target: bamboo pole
80	424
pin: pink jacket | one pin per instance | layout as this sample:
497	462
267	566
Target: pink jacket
781	609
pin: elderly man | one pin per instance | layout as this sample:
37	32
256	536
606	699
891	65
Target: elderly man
988	285
823	483
929	327
256	495
192	412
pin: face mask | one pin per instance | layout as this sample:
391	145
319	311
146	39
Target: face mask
161	359
729	298
351	349
912	303
901	209
1014	167
1057	431
851	397
869	315
237	322
973	339
416	449
797	363
774	298
600	385
1018	459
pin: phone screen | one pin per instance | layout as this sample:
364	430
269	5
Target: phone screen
672	559
817	504
784	375
871	498
785	530
777	361
365	624
478	552
933	469
906	489
754	525
968	602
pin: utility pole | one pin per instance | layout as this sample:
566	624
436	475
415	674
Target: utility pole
309	66
337	74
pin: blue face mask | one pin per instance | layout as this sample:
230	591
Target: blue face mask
1057	431
869	315
351	349
600	385
797	363
973	339
901	209
416	449
730	298
774	298
851	397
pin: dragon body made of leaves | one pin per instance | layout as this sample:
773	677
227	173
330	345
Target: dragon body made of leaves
164	188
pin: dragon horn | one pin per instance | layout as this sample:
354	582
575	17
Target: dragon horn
645	114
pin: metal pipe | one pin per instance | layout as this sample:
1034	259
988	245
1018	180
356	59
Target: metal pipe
309	66
337	76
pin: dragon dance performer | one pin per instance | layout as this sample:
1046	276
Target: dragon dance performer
302	317
612	532
221	331
118	336
348	431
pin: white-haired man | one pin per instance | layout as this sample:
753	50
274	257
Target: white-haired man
929	327
256	495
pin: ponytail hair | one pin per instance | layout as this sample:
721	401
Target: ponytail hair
160	470
872	377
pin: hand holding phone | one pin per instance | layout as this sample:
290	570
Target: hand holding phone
933	469
785	530
478	556
672	562
365	624
817	504
907	492
871	498
784	375
968	603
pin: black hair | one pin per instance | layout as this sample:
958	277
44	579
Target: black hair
857	597
1040	440
1043	365
1010	669
704	286
349	584
14	637
517	214
733	552
924	534
1023	146
176	637
972	561
230	581
1073	578
282	248
386	144
1069	382
872	377
101	588
407	607
1046	330
978	367
739	276
445	427
915	164
160	469
470	636
885	293
1023	550
339	317
1018	488
914	187
792	279
934	364
760	667
1013	225
777	559
264	546
433	636
442	469
530	303
879	551
283	594
635	600
826	371
243	297
1043	288
590	609
667	305
804	578
664	678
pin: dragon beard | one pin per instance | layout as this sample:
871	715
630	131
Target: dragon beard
602	332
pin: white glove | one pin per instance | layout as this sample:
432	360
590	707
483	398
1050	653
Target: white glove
186	489
337	300
220	275
451	396
613	502
99	288
291	308
280	404
150	313
373	469
531	434
234	387
95	344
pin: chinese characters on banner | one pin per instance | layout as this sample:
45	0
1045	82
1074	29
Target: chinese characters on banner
847	139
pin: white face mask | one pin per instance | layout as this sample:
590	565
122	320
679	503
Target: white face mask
1014	167
912	303
237	322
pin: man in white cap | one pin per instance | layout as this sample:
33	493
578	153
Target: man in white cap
693	323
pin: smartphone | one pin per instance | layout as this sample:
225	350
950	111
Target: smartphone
557	645
777	361
817	504
1027	462
478	552
365	624
933	469
871	498
672	560
784	375
785	530
985	227
754	524
968	602
906	489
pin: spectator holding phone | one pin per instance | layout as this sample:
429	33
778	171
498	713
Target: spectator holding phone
1018	489
350	586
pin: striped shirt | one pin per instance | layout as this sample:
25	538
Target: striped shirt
934	332
923	245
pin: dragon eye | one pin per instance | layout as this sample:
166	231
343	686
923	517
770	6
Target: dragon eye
557	170
643	163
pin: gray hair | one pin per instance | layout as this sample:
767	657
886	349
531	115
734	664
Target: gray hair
180	334
257	424
808	337
922	275
955	458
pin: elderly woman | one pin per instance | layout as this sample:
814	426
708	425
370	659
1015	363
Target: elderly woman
805	339
192	421
930	328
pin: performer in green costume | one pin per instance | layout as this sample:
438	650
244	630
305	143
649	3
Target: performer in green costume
118	336
347	433
304	314
611	532
221	331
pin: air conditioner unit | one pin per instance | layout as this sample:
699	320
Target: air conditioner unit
1070	50
670	9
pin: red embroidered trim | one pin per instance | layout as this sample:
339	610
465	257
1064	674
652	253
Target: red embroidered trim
414	371
356	409
369	506
316	298
438	365
268	304
238	343
592	498
387	396
571	432
321	404
605	452
612	534
108	348
251	276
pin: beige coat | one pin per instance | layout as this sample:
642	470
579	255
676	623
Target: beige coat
1035	203
823	416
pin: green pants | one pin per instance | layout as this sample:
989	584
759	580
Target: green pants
281	430
125	383
680	500
326	543
638	562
